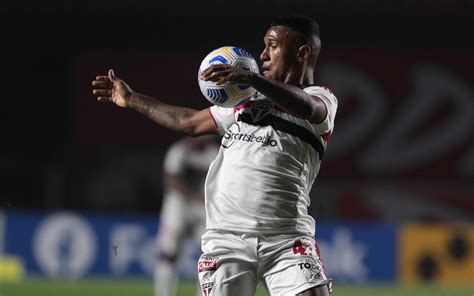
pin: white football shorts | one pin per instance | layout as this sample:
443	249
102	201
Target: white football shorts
233	263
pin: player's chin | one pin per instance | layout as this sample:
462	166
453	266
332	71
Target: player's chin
267	74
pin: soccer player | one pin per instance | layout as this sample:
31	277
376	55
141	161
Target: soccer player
182	214
257	188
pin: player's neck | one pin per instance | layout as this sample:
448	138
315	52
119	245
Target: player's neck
302	75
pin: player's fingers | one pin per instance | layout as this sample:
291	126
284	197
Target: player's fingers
102	92
221	81
102	77
229	78
102	83
216	76
104	99
208	71
221	66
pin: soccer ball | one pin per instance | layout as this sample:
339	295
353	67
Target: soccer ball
227	95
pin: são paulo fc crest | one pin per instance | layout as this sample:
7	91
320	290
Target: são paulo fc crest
260	108
206	288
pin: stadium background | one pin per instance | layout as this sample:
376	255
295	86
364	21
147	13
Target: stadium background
395	196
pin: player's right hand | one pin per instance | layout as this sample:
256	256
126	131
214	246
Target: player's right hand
112	89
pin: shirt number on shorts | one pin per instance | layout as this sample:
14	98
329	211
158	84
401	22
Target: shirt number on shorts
298	248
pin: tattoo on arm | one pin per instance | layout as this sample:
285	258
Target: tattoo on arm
171	117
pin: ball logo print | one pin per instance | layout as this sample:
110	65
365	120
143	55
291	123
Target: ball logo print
227	95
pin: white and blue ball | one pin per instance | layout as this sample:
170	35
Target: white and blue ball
227	95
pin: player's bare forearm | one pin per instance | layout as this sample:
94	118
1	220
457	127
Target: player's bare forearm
180	119
291	98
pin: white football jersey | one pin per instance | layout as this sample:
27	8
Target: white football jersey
268	160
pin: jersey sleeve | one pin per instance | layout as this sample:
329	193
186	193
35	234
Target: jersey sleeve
328	98
223	118
174	162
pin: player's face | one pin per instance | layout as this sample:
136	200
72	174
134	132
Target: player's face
279	54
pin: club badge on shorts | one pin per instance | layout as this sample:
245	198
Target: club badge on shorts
206	288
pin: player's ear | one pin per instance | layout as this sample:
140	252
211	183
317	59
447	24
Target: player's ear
304	51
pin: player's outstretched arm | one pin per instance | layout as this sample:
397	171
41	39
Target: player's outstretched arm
110	88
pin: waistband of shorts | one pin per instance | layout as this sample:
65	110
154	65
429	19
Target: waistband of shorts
259	233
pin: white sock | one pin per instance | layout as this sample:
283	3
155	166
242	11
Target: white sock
165	279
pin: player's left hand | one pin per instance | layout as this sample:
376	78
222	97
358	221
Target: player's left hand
224	73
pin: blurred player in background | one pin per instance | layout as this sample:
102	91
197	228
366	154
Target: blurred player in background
182	214
257	189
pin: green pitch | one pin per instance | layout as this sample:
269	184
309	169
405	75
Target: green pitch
107	287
